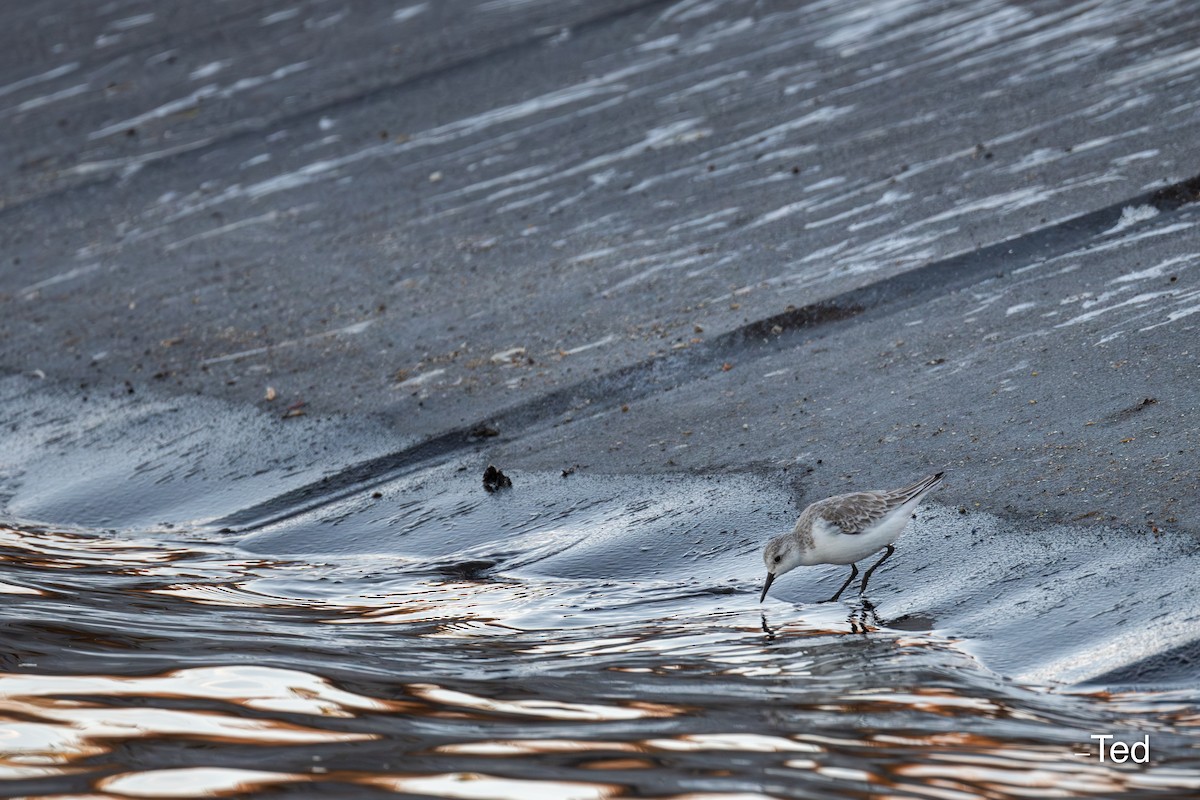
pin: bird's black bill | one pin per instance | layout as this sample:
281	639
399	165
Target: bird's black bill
770	577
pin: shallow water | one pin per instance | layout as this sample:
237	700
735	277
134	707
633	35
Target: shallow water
582	637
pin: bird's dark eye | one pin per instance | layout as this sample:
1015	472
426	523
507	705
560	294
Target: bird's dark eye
778	559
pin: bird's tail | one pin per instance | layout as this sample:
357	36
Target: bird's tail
919	488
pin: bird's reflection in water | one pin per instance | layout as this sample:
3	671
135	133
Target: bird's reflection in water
767	629
864	619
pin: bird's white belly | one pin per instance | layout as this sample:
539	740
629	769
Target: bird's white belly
831	546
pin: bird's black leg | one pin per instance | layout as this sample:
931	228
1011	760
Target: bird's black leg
853	574
867	577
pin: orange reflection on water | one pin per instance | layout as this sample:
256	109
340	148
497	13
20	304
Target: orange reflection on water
228	595
1179	707
262	688
222	782
545	709
46	728
480	604
463	610
477	786
963	765
738	742
11	588
1007	775
619	763
942	702
693	742
141	557
521	747
194	782
578	646
66	550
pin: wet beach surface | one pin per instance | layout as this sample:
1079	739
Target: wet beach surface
440	641
281	280
570	636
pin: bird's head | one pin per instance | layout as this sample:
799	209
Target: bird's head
782	554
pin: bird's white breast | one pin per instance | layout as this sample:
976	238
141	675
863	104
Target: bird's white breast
831	546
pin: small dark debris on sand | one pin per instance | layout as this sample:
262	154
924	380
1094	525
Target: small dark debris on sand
483	431
1125	413
495	480
295	410
467	570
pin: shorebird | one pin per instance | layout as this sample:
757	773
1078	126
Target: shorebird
844	529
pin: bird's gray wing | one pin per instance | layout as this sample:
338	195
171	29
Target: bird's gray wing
853	513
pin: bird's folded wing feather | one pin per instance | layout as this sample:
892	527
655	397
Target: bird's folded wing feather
853	513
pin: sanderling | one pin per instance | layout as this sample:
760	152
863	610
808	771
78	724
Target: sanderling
844	529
